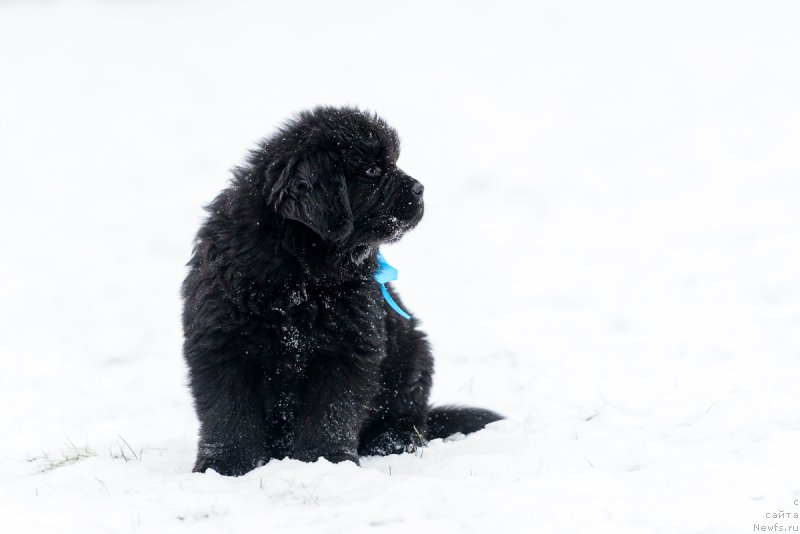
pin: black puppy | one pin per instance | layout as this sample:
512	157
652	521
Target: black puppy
291	346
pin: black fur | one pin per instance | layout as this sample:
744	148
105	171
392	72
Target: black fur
292	351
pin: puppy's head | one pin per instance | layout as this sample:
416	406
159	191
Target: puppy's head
334	171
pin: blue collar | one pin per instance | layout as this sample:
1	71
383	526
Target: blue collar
387	273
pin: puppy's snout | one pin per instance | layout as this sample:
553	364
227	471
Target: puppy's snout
417	188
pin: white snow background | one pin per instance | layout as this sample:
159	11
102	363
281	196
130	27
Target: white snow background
610	257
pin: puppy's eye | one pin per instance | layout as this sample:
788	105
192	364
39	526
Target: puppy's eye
374	171
303	187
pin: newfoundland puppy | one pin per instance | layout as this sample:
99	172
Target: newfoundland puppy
295	346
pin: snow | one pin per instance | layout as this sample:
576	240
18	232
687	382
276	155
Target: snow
609	257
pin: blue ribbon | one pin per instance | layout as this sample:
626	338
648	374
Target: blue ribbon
387	273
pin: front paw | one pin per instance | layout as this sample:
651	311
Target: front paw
221	460
392	442
334	457
223	466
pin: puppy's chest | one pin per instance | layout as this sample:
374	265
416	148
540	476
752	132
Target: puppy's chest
343	316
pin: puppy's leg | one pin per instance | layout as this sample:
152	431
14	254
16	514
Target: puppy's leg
333	407
400	412
232	427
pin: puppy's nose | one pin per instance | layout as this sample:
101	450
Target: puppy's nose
418	188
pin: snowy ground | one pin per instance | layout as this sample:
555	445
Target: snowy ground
610	257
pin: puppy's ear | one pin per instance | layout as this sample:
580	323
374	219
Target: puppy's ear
311	189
